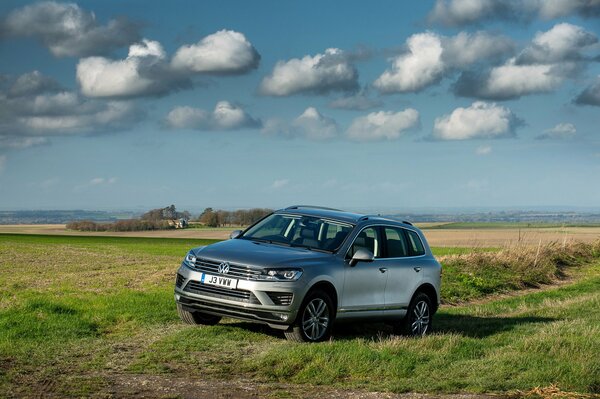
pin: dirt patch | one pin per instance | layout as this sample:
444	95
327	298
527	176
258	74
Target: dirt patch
166	386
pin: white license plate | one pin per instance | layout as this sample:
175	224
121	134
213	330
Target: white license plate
219	281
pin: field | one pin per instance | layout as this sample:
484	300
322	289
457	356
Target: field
93	316
478	235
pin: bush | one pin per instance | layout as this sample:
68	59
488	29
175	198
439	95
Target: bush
120	225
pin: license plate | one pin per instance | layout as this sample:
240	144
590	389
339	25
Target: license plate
219	281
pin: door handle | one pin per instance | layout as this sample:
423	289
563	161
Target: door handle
417	269
383	269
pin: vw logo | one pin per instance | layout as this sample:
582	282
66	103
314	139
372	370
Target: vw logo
223	268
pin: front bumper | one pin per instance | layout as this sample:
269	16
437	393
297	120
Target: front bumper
259	301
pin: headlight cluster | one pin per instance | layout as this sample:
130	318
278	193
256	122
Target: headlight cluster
190	259
281	274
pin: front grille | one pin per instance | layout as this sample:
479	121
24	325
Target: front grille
179	281
236	271
197	287
281	298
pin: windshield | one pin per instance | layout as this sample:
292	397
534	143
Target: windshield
300	231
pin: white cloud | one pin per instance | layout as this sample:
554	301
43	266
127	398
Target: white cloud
314	126
68	30
430	57
225	116
280	183
322	73
590	95
560	131
143	72
223	52
96	181
483	150
383	125
480	120
562	42
464	12
44	109
421	66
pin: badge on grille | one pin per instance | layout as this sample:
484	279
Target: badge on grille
223	268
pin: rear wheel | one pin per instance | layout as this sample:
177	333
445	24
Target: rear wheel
417	321
196	317
314	320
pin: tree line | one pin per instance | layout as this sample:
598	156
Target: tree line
241	217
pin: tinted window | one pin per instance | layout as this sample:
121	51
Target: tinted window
367	239
415	244
396	243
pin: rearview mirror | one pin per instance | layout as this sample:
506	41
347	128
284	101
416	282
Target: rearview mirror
362	255
235	234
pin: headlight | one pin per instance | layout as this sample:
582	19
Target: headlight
190	259
280	274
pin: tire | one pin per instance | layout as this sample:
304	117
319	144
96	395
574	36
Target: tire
314	320
197	317
418	319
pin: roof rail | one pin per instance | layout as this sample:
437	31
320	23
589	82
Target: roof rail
313	207
408	223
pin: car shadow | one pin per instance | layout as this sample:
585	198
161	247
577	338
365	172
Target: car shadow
465	325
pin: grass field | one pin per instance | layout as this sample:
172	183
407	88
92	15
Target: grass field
94	316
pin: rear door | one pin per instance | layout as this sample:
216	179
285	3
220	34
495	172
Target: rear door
364	283
403	271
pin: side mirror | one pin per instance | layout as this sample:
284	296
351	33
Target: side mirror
362	255
235	234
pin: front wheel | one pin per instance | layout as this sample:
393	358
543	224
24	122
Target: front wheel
417	321
196	317
314	320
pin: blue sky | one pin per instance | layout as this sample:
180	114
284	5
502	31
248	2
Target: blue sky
392	105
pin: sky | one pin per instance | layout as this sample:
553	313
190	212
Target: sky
466	104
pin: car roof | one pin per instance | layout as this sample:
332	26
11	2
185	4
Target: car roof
336	214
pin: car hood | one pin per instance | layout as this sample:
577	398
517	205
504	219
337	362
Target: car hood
259	254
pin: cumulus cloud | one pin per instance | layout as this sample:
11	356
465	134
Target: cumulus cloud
322	73
383	125
311	124
552	57
480	120
225	116
560	131
143	72
465	12
562	42
430	57
39	108
223	52
590	95
146	71
68	30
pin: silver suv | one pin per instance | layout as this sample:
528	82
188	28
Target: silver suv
302	268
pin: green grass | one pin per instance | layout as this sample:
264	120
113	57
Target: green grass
76	311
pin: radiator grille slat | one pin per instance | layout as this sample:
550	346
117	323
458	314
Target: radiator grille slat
281	298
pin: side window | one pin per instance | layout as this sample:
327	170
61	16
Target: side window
396	243
415	244
368	239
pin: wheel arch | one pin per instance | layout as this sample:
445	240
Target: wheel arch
327	287
429	290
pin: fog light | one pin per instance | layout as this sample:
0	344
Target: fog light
282	316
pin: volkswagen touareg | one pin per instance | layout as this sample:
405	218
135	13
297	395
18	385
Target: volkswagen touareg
301	268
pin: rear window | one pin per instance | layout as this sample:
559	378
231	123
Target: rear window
414	243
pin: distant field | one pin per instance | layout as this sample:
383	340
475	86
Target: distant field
95	317
471	235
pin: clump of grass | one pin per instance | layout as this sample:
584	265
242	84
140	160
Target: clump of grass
478	274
